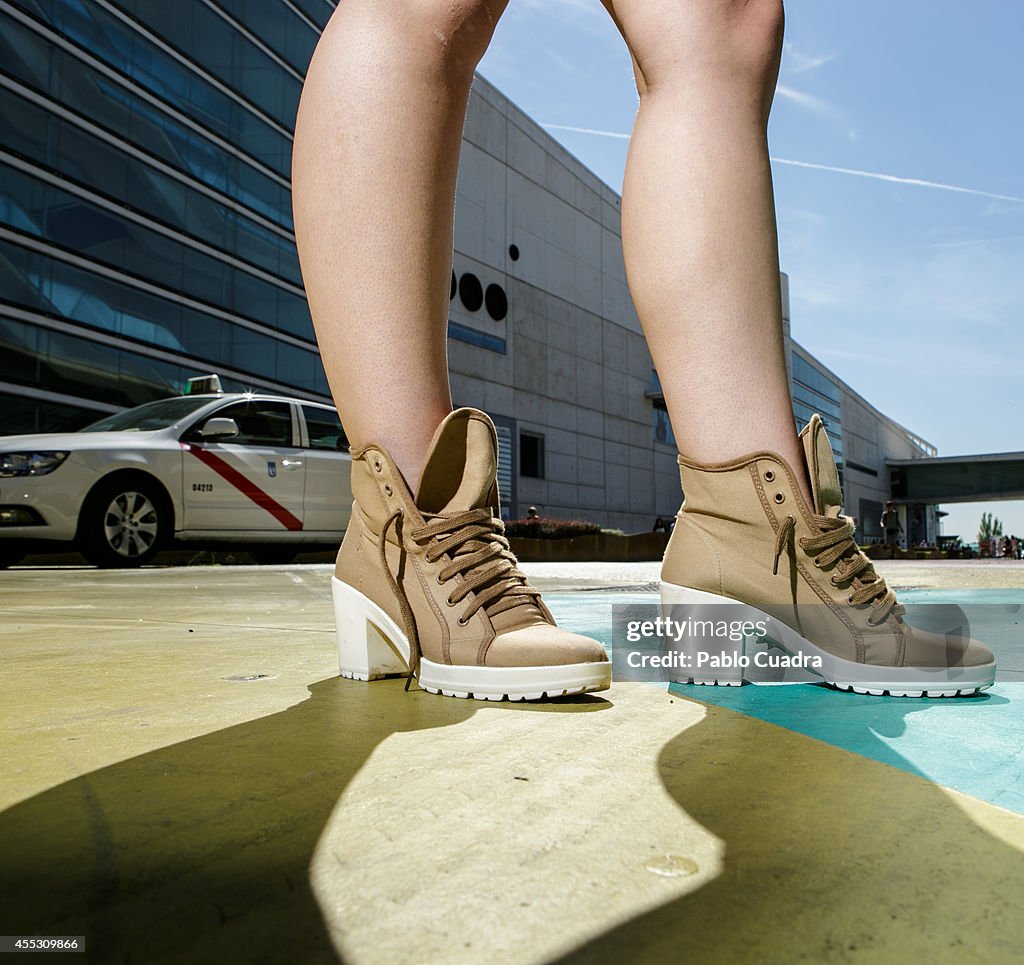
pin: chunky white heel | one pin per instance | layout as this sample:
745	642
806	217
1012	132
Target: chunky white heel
370	644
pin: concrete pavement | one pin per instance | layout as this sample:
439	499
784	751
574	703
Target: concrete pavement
186	779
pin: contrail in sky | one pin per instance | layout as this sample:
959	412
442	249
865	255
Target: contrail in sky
585	130
854	172
975	241
914	182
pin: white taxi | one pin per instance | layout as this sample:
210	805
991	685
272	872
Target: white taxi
269	472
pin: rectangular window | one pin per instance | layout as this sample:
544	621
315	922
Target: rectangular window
507	471
662	426
870	520
531	455
261	422
324	428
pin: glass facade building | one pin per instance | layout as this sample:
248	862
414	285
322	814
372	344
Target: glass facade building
145	206
815	391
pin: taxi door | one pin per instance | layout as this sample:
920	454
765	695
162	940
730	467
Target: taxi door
252	482
328	503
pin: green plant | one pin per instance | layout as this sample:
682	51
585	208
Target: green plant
990	527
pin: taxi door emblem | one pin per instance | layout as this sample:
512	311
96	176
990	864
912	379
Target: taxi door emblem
271	469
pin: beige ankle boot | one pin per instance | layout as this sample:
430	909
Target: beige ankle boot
428	586
745	535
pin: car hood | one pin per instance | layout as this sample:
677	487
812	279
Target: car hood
79	441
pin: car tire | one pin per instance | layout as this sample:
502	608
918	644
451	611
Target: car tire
10	554
272	553
124	523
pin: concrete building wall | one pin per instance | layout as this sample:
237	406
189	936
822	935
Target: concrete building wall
575	365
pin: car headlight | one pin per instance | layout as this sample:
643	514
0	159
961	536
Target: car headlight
29	463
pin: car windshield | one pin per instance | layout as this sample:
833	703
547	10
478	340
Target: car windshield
152	415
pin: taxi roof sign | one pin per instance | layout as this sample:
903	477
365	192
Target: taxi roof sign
203	384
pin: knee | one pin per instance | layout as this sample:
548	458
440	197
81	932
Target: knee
757	37
451	34
709	40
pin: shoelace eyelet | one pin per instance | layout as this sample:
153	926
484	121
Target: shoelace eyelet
437	579
780	497
849	600
769	475
461	622
388	489
377	465
450	601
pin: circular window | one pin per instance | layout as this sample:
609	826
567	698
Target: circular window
497	302
513	252
455	287
471	292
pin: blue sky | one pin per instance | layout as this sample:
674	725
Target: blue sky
913	293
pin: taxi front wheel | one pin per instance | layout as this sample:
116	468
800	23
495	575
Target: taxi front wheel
124	523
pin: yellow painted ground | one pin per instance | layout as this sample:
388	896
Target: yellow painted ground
170	812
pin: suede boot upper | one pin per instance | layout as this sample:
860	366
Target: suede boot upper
438	564
745	532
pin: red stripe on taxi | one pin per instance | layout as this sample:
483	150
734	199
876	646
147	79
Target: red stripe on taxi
245	486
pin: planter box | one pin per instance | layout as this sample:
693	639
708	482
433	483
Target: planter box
636	548
881	552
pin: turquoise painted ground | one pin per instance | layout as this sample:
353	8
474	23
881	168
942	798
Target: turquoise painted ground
975	744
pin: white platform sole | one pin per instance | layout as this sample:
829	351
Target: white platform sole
371	646
956	681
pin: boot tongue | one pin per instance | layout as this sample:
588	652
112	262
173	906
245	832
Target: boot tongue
461	464
460	474
821	467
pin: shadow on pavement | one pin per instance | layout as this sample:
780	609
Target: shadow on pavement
828	856
200	851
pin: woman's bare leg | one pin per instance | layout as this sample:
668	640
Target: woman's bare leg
698	220
376	154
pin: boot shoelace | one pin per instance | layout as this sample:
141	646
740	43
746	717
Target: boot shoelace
832	545
479	552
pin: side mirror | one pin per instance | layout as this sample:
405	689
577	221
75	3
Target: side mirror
219	429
